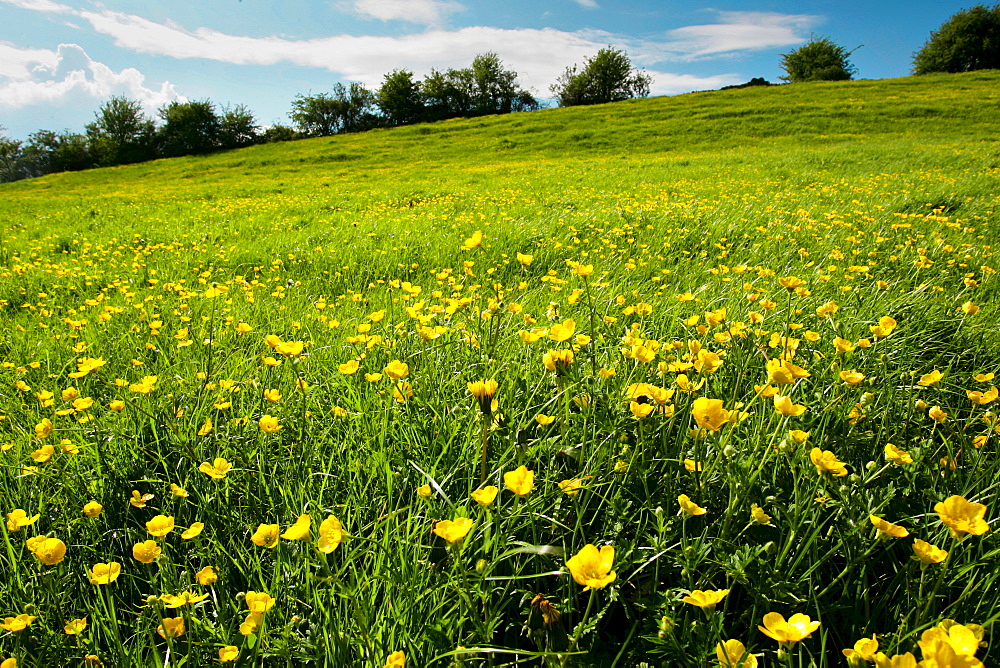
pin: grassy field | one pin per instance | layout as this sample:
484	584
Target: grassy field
719	357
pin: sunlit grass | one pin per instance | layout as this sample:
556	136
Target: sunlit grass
604	386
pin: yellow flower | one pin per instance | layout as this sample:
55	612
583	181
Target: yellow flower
544	419
825	461
252	623
269	424
798	627
116	405
843	345
851	377
17	519
299	530
75	627
474	241
453	531
401	392
951	644
931	378
258	602
485	496
396	370
896	455
207	576
962	517
266	535
689	507
139	500
784	406
349	367
592	568
524	259
790	282
863	650
759	516
983	398
50	551
936	414
984	377
927	553
331	534
102	573
705	599
424	491
171	601
206	427
640	410
709	413
193	531
798	435
290	348
484	391
558	360
563	331
398	659
92	509
228	653
160	526
15	624
692	466
172	627
44	428
178	492
146	551
733	654
573	486
889	529
520	481
968	308
43	454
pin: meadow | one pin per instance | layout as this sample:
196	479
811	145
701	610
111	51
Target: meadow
696	381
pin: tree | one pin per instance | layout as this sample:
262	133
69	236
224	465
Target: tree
494	90
399	98
237	127
10	156
969	40
819	60
605	77
121	133
348	109
188	128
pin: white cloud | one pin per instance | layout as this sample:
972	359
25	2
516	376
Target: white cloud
424	12
739	31
587	4
32	76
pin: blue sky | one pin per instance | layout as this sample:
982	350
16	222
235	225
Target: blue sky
59	59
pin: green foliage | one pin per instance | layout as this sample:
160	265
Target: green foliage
485	88
188	128
606	77
969	40
238	127
347	109
398	98
121	133
819	60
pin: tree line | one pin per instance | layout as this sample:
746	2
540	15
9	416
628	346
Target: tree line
122	133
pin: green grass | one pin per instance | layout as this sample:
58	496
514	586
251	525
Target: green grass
879	195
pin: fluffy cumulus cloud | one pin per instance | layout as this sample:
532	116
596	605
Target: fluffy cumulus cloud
736	32
32	76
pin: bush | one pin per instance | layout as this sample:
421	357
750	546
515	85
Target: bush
969	40
819	60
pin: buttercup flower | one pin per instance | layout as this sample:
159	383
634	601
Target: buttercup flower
759	516
798	627
75	627
139	500
266	535
160	526
219	466
172	627
424	491
888	528
705	599
709	413
931	378
258	601
396	370
733	654
229	653
193	531
50	551
299	530
485	496
827	462
268	424
102	574
896	455
453	531
331	534
962	517
520	481
207	576
92	509
15	624
592	568
17	519
926	553
689	507
146	552
863	650
396	659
